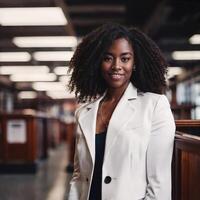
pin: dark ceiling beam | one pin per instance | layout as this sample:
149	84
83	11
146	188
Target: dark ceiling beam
184	63
69	27
96	2
157	18
26	3
48	63
89	15
33	49
12	31
81	22
174	30
138	12
179	47
93	8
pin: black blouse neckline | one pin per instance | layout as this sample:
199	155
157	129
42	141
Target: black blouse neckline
101	133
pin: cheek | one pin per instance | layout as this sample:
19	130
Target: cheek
105	68
129	70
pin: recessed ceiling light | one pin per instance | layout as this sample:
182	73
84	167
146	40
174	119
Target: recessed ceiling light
27	95
195	39
60	94
46	41
53	55
35	16
32	77
173	71
186	55
60	70
6	70
46	86
15	57
65	79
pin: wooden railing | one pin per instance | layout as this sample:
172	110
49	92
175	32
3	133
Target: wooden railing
188	126
186	161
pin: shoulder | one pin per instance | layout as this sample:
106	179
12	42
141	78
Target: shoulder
154	99
80	108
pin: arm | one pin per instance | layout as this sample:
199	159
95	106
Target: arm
75	183
74	191
159	152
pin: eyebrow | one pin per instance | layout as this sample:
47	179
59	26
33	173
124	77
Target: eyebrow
123	54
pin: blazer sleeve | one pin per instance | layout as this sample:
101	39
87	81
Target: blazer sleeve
159	152
75	183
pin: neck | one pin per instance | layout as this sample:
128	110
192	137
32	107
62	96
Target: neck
114	94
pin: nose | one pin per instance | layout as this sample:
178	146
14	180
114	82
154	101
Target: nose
116	65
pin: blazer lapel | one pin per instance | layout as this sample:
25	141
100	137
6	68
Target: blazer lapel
122	114
87	123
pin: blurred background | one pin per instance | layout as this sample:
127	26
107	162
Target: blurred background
37	40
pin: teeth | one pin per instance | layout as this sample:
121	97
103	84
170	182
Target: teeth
116	75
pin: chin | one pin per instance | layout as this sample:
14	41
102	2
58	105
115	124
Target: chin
116	85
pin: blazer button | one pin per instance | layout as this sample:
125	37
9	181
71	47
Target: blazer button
107	179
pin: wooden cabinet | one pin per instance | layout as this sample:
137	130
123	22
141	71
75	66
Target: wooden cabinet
21	142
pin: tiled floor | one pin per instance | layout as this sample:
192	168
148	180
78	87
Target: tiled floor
49	183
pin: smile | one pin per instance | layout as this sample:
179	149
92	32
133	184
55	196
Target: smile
116	76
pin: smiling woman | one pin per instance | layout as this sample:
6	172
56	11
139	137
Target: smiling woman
125	131
117	64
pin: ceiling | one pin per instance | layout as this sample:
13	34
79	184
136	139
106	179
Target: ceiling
169	22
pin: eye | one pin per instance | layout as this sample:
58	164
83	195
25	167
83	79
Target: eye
107	59
125	59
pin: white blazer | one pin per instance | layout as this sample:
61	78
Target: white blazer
138	150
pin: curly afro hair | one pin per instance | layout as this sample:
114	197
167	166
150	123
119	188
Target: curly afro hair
85	65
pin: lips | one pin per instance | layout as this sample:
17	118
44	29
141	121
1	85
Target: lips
116	76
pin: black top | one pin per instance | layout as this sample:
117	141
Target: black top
95	191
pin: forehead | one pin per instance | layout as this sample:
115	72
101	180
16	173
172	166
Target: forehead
120	45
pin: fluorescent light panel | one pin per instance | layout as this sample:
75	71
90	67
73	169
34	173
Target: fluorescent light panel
61	70
27	95
47	86
6	70
15	57
60	94
173	71
195	39
186	55
53	55
46	41
32	77
36	16
64	79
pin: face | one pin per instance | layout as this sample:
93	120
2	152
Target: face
117	64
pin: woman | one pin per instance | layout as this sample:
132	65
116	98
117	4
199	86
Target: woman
126	129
